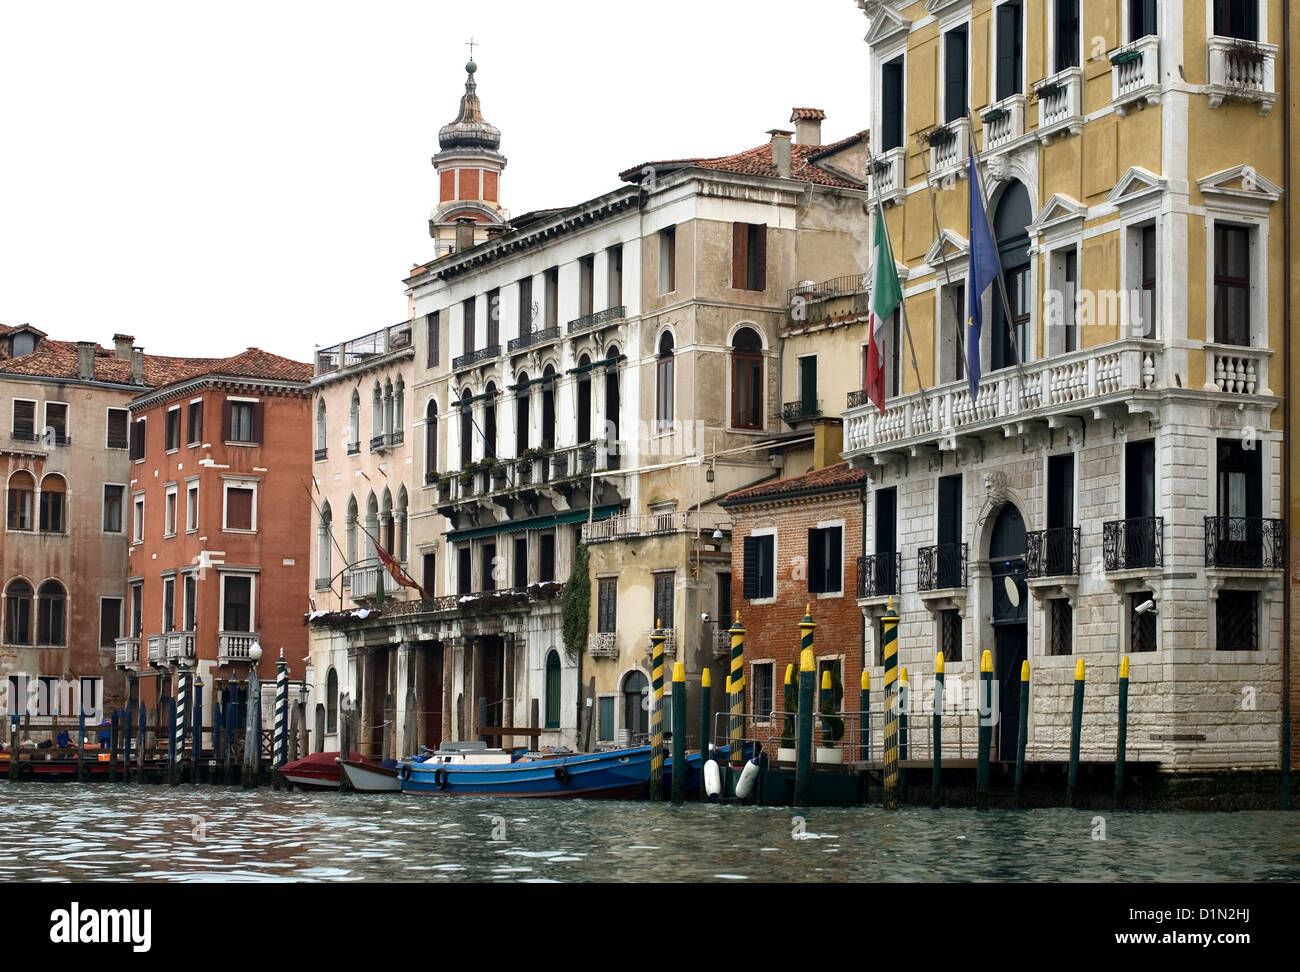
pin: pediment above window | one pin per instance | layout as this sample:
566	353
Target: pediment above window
1240	187
1136	185
886	23
1060	214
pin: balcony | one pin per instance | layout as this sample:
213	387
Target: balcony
949	147
386	440
1079	383
532	339
1060	104
941	567
1248	543
1135	74
463	361
598	319
157	649
378	442
1133	543
792	413
1004	123
670	642
1053	552
363	349
180	646
233	646
721	642
627	526
858	398
319	455
602	644
889	169
128	652
354	448
1242	70
1237	370
364	581
839	300
878	575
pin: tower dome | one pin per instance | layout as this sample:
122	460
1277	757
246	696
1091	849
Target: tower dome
469	129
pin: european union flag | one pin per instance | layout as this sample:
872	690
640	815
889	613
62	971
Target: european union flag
984	269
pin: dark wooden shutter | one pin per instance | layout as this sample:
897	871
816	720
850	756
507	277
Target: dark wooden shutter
257	421
834	559
227	407
118	428
739	255
751	567
24	418
1008	50
891	104
195	432
767	567
817	561
760	256
954	105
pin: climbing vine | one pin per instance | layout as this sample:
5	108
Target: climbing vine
576	604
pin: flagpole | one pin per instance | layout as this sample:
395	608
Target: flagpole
331	534
379	546
958	328
1002	286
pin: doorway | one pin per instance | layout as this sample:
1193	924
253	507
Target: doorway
433	696
1010	622
636	713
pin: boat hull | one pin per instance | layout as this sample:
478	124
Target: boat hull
619	774
369	778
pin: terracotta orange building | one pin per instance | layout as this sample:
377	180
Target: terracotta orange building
219	541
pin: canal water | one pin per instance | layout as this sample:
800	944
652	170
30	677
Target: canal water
88	832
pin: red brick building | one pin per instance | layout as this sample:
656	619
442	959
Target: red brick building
219	521
795	547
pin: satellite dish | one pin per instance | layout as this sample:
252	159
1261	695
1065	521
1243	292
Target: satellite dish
1013	592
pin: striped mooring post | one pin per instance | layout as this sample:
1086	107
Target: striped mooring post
1022	732
679	733
182	718
281	746
736	694
1121	744
13	745
804	743
904	751
81	740
657	712
889	624
705	691
1076	727
936	725
864	716
139	754
170	704
985	734
114	737
196	752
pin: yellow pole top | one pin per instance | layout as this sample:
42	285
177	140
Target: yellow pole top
737	627
1123	667
728	684
806	663
659	622
1024	670
807	609
737	615
826	679
1078	671
866	680
902	675
938	663
986	661
789	674
679	672
705	680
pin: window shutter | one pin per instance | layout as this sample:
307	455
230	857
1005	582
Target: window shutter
1008	45
257	421
834	559
760	256
751	568
24	417
767	567
196	422
817	561
226	409
891	105
739	254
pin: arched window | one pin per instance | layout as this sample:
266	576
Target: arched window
350	525
354	422
584	399
324	544
54	495
377	411
746	380
400	519
21	489
372	526
332	701
1010	221
466	428
18	613
399	406
387	528
50	612
664	383
430	439
548	407
322	437
523	395
388	406
490	421
612	401
553	690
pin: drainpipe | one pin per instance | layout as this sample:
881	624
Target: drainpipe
1289	427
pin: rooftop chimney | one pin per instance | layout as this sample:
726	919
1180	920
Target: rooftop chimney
137	366
122	346
781	151
807	125
85	359
464	233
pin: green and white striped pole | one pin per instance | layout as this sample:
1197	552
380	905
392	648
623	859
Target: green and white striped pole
1121	745
706	690
657	712
679	732
936	785
281	710
889	624
985	735
736	694
1022	732
1076	728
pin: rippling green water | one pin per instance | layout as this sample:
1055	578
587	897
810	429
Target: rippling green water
71	832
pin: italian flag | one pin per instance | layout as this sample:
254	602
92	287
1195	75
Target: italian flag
886	295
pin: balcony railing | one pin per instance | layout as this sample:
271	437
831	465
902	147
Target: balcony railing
474	357
1060	104
590	321
670	641
1242	70
320	454
721	641
1135	74
532	338
364	581
128	651
1237	370
801	411
1248	542
157	649
363	348
878	574
840	298
857	398
180	645
354	448
1072	383
1004	122
602	644
233	646
890	175
653	524
941	567
378	442
1135	542
1053	552
949	145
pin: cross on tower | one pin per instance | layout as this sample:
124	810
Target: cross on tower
470	45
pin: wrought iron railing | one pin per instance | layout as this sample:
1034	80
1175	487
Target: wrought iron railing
801	411
603	644
474	357
858	398
1053	552
597	319
532	337
1245	541
941	566
1135	542
320	454
878	574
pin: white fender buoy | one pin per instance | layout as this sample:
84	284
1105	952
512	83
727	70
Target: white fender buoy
712	779
748	776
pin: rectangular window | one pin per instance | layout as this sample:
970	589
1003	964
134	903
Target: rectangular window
240	508
1142	278
173	429
1067	34
1232	285
614	274
1141	18
24	427
520	561
749	256
952	333
892	350
52	508
668	260
243	421
192	507
110	621
429	574
137	608
586	284
724	600
464	570
826	560
1237	18
606	718
494	318
553	297
761	695
169	604
191	602
1069	299
487	558
137	439
955	96
1011	71
760	567
49	619
194	424
1236	621
891	104
1062	622
137	522
546	558
56	421
467	315
119	421
665	586
113	496
237	604
950	635
1142	627
434	337
169	512
808	383
607	605
527	312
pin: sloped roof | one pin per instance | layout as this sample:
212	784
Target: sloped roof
824	480
758	161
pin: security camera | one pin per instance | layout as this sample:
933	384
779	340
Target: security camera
1146	606
705	617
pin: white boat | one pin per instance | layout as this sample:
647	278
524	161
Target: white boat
370	777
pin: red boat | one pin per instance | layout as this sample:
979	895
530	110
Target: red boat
319	771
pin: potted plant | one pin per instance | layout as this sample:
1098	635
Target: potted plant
496	470
444	487
832	693
559	461
786	753
467	477
994	115
588	458
939	136
525	464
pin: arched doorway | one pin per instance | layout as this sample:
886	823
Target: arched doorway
1010	621
1011	218
636	714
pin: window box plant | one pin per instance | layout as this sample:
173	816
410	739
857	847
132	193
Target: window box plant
786	752
832	694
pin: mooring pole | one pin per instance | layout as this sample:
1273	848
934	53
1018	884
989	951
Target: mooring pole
171	741
985	734
904	702
705	691
1121	744
282	713
1076	728
864	716
679	732
889	625
657	712
13	746
736	699
196	750
81	740
114	738
1022	731
803	745
139	755
936	785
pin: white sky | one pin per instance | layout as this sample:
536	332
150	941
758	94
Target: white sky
214	176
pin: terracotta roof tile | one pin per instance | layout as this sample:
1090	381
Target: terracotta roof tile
807	114
758	161
839	476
